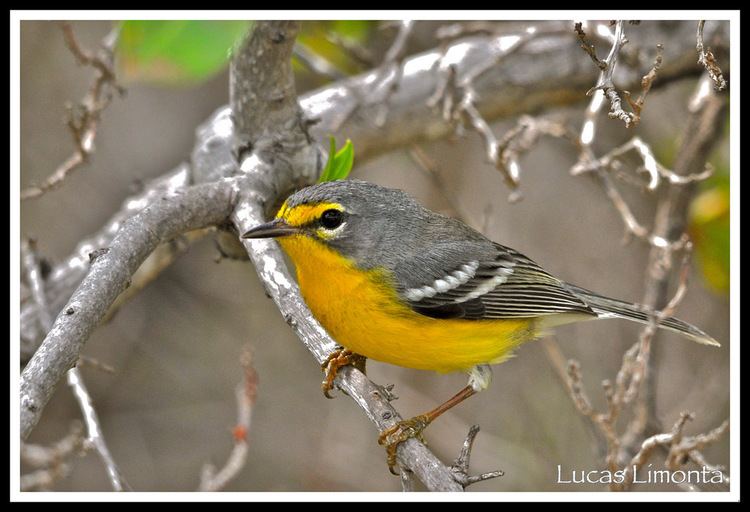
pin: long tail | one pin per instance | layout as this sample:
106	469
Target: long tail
605	307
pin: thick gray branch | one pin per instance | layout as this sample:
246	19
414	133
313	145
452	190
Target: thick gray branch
263	98
110	273
65	277
545	72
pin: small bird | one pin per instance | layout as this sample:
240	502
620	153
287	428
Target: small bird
397	283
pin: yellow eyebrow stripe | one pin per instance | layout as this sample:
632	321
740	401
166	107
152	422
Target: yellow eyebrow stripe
305	213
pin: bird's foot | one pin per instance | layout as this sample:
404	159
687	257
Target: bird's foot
338	358
400	432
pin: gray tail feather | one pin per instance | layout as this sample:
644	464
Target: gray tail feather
605	307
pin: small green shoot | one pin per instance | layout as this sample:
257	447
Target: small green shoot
339	163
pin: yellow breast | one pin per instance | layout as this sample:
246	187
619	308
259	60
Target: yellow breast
363	313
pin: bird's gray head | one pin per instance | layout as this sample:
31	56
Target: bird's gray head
369	224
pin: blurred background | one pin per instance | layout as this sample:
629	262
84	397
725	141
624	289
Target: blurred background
169	408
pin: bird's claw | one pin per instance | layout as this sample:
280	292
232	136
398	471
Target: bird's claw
400	432
338	358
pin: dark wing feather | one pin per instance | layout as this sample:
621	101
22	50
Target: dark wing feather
500	284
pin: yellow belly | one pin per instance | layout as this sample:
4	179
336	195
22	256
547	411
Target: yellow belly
364	314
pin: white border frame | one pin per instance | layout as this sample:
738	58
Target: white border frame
733	16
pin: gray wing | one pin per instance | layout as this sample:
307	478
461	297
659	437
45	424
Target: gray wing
483	281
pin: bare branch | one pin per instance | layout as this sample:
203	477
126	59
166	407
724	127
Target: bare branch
460	467
607	85
246	393
633	385
67	275
646	82
557	359
386	81
707	60
587	162
655	170
588	47
33	274
698	458
84	122
605	82
680	449
701	133
94	432
192	208
392	62
90	362
75	380
577	392
459	99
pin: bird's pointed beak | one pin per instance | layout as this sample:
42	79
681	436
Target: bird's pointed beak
274	229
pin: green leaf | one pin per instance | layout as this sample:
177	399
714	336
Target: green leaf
709	229
339	163
175	52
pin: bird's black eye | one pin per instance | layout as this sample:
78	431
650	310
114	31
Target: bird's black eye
331	219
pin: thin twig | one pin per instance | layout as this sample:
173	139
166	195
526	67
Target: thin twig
246	393
33	273
702	131
93	429
511	44
634	377
559	363
90	362
392	63
698	458
587	46
74	378
84	121
655	170
607	67
460	467
681	449
707	60
646	82
458	100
